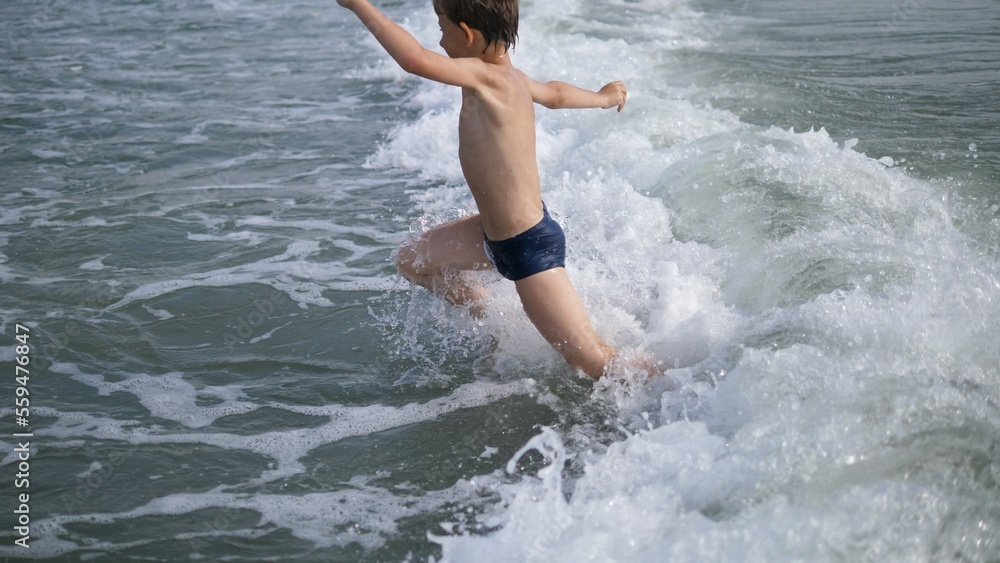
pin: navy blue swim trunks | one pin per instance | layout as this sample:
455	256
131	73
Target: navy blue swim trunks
540	248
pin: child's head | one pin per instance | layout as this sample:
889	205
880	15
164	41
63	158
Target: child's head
495	19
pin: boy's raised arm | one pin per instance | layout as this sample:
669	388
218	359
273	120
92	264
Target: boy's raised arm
560	95
410	54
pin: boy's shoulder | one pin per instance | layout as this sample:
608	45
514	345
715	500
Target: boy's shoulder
504	76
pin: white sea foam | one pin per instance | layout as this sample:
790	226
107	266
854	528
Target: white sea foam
361	514
95	264
284	267
168	396
317	225
87	222
47	154
251	238
268	334
171	397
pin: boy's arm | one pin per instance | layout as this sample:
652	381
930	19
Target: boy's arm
559	95
410	54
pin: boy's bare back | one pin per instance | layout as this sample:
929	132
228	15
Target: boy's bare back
497	124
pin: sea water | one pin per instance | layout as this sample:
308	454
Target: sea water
797	214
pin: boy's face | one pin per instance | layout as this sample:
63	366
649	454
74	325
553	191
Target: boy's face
453	38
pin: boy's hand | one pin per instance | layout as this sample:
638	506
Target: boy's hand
615	94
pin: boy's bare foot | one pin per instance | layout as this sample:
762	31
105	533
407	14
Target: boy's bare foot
633	368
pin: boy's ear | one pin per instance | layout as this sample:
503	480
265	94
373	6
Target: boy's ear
470	35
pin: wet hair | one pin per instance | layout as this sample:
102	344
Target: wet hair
495	19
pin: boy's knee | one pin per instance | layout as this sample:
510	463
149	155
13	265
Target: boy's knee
408	262
403	259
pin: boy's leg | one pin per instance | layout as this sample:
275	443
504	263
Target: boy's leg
556	310
435	260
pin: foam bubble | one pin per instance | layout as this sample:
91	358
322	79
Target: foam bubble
161	314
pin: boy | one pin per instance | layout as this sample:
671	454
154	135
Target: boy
513	231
